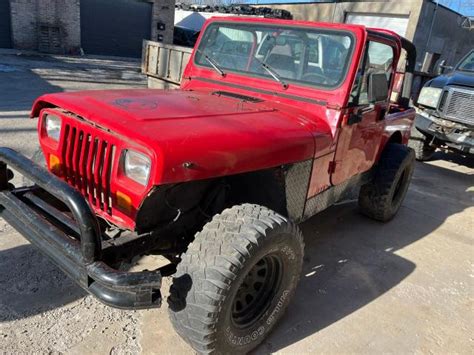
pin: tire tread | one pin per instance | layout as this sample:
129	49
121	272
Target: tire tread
227	240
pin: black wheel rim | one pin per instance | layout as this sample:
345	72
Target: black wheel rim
256	292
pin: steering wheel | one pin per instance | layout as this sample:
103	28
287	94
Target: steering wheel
308	76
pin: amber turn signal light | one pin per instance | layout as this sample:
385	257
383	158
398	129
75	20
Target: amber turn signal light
54	164
124	202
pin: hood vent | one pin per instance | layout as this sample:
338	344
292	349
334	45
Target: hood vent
244	98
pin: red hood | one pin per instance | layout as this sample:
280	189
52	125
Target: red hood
220	135
147	105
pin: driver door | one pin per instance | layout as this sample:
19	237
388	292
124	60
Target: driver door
360	134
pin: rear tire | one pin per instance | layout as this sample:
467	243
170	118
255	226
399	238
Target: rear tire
236	280
381	198
421	145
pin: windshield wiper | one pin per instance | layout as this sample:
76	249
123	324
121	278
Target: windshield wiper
273	73
212	62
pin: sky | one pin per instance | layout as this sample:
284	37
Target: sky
464	7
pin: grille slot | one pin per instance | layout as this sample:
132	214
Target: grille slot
88	165
459	105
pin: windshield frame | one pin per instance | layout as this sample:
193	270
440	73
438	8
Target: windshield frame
295	83
457	68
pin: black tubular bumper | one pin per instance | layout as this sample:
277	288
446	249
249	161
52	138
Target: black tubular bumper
79	257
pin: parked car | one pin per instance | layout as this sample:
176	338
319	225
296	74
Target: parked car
184	36
445	112
217	175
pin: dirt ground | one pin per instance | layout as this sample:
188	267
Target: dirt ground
401	287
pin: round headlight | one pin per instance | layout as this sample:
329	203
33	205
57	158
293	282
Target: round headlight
429	96
137	166
52	125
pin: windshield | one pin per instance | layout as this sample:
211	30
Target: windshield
293	55
467	64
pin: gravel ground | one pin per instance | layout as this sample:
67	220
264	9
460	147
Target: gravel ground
401	287
41	310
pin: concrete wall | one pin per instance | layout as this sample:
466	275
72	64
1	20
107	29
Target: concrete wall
163	12
28	15
336	12
447	37
24	23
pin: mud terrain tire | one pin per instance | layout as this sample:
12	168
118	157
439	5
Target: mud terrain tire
421	145
381	198
236	279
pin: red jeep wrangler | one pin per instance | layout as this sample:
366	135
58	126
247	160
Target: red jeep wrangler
275	121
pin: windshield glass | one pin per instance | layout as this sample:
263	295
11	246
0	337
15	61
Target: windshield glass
468	63
308	56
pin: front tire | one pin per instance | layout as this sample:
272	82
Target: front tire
236	280
381	198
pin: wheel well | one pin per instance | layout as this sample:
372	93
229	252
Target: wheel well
188	206
396	138
265	188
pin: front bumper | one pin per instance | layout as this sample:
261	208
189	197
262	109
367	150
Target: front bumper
454	135
72	239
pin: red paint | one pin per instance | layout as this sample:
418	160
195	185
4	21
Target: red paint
219	135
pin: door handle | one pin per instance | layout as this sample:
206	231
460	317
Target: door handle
358	115
354	118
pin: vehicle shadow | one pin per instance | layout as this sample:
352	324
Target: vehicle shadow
20	88
30	284
453	157
23	78
351	260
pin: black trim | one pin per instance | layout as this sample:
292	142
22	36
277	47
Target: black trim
456	68
261	91
382	36
79	258
346	190
297	182
237	96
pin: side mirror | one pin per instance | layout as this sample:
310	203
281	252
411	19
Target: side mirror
377	87
442	67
